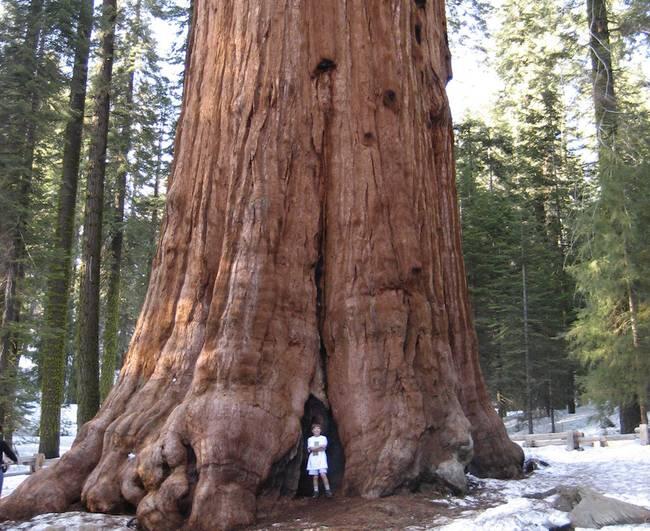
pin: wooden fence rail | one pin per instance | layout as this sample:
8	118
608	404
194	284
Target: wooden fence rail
34	462
573	439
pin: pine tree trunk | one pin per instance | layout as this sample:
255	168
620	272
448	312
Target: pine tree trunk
601	71
642	391
53	354
527	361
111	328
309	267
9	335
88	315
155	211
628	415
571	391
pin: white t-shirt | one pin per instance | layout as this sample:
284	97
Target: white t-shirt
317	461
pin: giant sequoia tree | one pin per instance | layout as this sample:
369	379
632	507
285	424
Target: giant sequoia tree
309	267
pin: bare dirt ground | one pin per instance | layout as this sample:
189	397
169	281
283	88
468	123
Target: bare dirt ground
403	511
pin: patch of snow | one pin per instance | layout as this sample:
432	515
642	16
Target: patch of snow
585	419
76	521
517	514
26	442
621	471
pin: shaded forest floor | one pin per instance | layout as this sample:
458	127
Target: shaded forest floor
403	511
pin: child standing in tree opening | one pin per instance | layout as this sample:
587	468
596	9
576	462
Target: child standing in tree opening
317	462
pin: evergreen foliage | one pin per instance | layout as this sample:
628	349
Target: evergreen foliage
517	182
34	36
611	333
39	45
140	140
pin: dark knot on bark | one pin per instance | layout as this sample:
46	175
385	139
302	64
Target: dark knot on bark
323	66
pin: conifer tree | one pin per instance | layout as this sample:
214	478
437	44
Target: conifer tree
521	169
611	333
152	143
114	259
53	351
32	37
141	127
88	317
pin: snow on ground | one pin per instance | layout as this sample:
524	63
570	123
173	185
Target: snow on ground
621	470
26	443
72	521
586	419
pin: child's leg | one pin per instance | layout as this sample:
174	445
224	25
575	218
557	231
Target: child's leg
326	482
315	482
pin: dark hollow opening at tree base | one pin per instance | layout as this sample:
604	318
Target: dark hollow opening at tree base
317	412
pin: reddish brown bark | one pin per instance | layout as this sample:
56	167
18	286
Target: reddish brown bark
311	247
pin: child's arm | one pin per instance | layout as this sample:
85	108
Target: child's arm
317	448
320	448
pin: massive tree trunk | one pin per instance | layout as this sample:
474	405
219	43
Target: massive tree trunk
309	267
53	353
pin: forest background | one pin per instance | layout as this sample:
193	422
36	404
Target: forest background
552	175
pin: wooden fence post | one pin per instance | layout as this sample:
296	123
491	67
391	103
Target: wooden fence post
572	440
643	434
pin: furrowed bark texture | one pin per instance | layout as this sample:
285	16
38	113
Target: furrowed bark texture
311	247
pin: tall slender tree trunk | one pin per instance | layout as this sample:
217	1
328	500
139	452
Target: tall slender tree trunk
309	267
571	391
112	321
88	316
53	354
527	361
10	336
642	391
155	211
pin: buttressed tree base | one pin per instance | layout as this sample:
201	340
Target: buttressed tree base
309	267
